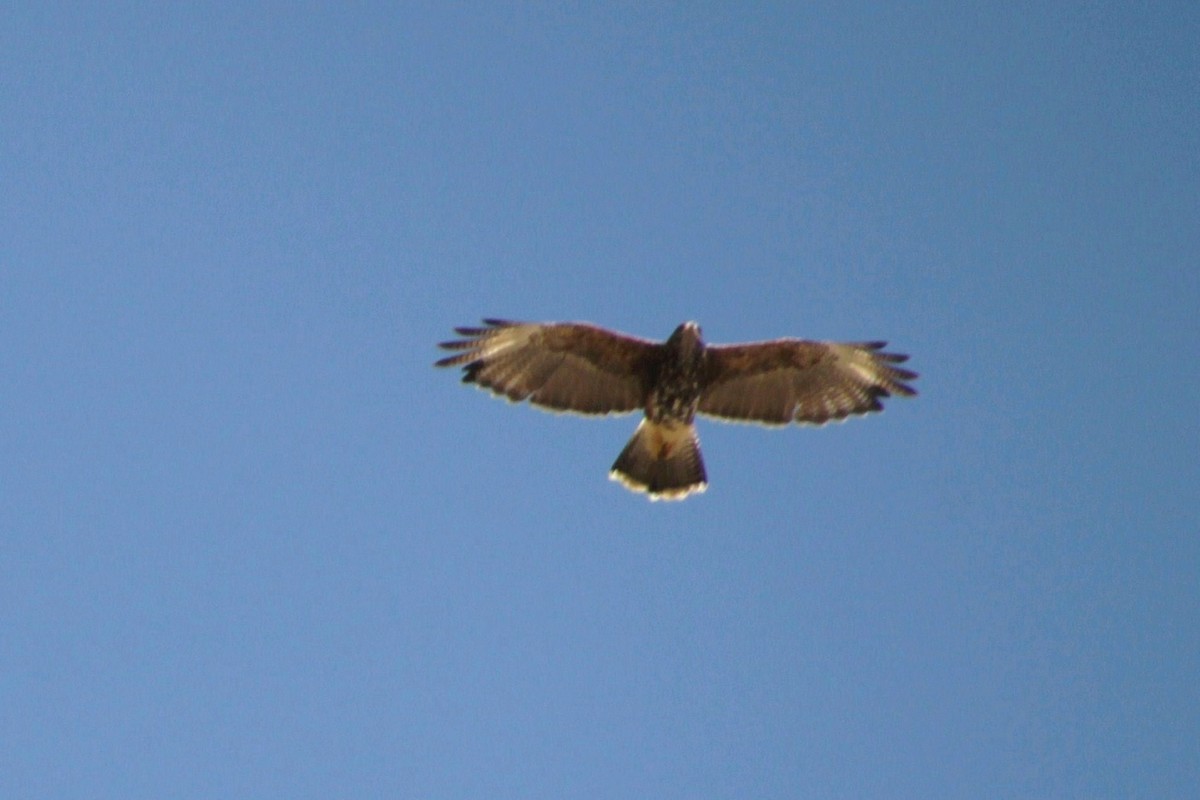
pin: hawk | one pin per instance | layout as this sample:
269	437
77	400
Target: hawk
586	369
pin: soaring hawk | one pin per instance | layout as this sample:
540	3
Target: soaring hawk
570	366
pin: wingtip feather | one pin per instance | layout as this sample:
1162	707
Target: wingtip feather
457	344
452	361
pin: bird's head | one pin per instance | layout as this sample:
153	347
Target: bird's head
686	339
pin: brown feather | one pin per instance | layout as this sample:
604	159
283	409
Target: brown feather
792	380
560	366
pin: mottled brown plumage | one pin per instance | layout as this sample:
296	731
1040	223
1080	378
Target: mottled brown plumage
586	369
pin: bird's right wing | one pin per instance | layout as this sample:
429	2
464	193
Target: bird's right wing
559	366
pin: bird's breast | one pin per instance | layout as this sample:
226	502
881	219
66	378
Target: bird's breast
674	396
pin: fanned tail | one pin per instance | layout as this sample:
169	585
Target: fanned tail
663	460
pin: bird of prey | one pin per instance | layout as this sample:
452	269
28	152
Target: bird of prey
586	369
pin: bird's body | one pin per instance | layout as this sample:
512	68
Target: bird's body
590	370
675	389
663	456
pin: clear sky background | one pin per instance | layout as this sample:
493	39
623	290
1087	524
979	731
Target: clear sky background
253	545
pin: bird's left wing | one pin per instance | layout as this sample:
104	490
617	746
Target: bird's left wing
792	380
560	366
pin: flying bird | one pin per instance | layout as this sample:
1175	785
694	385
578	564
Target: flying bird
586	369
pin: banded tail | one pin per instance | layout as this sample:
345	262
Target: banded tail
663	460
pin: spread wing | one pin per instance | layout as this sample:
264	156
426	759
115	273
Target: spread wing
792	380
560	366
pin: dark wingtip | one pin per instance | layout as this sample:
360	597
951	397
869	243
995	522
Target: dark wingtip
470	370
491	323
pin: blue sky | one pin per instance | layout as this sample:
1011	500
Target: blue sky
253	545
